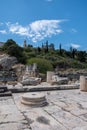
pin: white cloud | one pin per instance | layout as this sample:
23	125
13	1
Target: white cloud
3	31
17	29
38	30
75	45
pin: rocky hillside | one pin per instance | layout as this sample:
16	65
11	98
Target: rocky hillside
7	62
6	71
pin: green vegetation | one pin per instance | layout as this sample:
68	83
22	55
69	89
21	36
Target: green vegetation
43	65
46	57
11	48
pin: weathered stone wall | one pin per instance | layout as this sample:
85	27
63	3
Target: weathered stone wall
32	70
6	75
73	78
19	70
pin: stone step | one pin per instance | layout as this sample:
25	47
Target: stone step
8	93
3	89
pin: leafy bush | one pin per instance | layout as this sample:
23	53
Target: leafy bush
9	43
31	54
43	64
77	64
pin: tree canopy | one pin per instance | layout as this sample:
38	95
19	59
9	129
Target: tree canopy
12	48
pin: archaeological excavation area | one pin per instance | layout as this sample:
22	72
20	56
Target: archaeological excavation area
27	102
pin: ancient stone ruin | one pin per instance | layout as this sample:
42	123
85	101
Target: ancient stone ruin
52	78
83	83
19	70
32	70
6	71
31	75
34	99
11	72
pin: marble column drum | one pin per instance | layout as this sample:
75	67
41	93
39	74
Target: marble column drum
34	99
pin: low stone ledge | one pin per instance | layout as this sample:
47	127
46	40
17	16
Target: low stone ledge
60	87
8	93
3	89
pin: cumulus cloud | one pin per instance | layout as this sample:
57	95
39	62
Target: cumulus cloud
75	45
3	31
38	30
17	29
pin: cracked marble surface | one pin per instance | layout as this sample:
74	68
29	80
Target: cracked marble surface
66	110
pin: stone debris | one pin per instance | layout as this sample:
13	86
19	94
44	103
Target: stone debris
52	78
59	80
30	81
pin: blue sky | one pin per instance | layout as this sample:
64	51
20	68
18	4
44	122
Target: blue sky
58	21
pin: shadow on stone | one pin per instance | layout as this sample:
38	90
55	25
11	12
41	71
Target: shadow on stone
43	120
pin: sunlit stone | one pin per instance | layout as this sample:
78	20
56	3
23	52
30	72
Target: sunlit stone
34	99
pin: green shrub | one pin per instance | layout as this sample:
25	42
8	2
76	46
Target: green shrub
77	64
31	54
43	64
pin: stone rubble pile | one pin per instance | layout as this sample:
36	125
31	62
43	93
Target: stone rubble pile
31	81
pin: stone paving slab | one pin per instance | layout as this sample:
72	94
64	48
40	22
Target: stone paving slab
10	117
13	126
68	120
66	110
43	120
